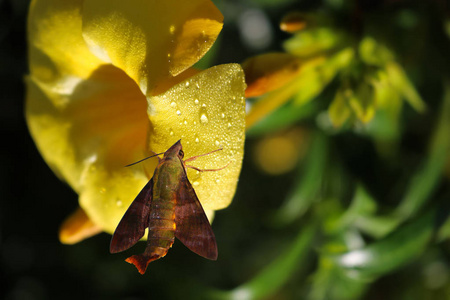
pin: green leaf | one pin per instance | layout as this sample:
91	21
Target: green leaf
390	253
403	85
282	118
277	272
362	102
307	185
362	205
444	231
373	52
427	178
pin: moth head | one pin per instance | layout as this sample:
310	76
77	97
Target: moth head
175	150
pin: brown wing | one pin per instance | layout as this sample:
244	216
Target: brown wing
132	226
192	225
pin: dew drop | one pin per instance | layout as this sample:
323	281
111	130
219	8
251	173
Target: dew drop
187	83
217	180
204	119
119	202
171	132
217	143
185	122
223	116
195	183
229	125
196	101
204	105
178	112
197	85
173	104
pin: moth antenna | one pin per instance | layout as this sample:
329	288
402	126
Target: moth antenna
145	159
197	156
209	170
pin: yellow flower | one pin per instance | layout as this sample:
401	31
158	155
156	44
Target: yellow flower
110	81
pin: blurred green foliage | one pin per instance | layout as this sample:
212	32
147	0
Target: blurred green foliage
373	186
363	215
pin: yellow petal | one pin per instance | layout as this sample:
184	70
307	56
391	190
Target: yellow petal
108	192
207	113
105	120
278	97
151	40
58	53
268	72
77	227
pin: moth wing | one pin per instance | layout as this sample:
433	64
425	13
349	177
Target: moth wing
132	226
192	225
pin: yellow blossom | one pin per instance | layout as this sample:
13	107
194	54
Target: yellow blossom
110	81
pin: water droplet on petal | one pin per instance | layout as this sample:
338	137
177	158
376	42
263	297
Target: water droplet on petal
171	132
229	125
119	202
178	112
187	83
223	116
204	119
217	143
196	101
195	183
173	104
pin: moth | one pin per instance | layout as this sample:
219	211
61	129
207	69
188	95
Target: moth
169	208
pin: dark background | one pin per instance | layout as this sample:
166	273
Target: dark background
34	202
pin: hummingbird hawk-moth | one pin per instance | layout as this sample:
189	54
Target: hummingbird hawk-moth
169	208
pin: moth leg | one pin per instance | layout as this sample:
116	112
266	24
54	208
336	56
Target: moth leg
208	170
197	156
